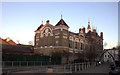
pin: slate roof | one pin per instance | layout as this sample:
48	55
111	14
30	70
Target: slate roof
73	33
15	48
40	26
2	41
61	22
91	33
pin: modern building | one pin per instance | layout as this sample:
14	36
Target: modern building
51	40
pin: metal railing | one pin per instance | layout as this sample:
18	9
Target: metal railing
43	68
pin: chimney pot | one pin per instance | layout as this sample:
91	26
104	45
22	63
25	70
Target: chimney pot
47	21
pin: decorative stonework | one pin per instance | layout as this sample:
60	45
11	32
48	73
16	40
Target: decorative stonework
46	31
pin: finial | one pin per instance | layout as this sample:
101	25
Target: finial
61	16
42	20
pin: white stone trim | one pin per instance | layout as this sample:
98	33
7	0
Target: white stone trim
46	32
56	41
60	47
71	38
76	39
51	46
36	43
35	47
61	28
81	41
71	51
45	47
37	39
57	33
86	42
64	34
65	37
57	36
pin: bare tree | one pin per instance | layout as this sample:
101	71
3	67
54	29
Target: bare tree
30	42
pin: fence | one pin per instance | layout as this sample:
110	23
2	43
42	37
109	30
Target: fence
41	67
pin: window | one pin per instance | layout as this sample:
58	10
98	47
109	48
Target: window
70	43
81	46
75	45
36	43
105	55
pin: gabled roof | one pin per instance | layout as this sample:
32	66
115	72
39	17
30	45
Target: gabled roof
7	41
61	22
91	33
40	26
10	41
2	41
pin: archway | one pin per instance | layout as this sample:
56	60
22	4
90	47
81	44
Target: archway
111	56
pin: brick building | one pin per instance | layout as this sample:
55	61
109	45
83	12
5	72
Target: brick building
51	40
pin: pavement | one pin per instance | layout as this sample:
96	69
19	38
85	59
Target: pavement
103	68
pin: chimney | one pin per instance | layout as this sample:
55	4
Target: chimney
47	22
101	34
83	30
79	30
94	30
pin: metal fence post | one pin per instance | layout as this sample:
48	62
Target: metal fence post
64	68
19	63
12	63
27	63
82	66
75	68
34	63
3	64
41	63
70	68
79	67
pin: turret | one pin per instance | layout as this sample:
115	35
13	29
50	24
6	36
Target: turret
47	22
88	28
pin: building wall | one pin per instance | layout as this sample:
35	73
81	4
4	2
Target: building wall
51	39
